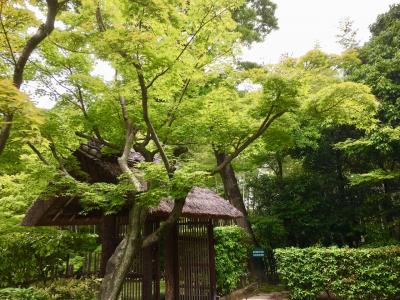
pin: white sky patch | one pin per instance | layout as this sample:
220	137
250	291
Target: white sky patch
304	23
37	12
60	25
104	70
248	85
40	101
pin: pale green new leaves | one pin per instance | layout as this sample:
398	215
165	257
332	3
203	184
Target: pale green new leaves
176	35
225	116
18	191
344	103
324	100
185	177
11	99
374	177
379	143
27	117
15	19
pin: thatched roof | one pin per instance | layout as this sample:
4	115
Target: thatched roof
200	203
103	167
60	211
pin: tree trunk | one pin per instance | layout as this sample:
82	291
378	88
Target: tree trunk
108	241
42	32
5	131
120	262
232	192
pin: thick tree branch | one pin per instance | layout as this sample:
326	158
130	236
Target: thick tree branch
166	225
263	127
59	159
43	31
38	153
130	133
99	18
148	122
120	262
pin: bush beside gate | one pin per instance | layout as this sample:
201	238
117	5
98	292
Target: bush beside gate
346	273
232	247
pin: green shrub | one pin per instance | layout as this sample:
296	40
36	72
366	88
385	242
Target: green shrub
232	249
73	289
23	294
62	289
368	273
31	256
269	231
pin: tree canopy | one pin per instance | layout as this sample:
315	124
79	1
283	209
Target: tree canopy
307	148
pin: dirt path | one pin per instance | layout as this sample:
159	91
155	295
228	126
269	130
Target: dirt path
270	296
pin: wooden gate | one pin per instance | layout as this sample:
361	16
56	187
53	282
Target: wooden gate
195	260
143	279
189	264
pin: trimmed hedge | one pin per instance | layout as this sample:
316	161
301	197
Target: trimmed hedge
368	273
232	247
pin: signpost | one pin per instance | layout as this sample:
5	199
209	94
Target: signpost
258	263
258	252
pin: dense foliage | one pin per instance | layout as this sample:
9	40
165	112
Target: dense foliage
368	273
31	256
232	247
71	289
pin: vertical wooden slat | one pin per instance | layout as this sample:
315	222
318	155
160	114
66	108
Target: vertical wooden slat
171	265
194	259
157	276
211	254
196	262
89	263
147	266
186	250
